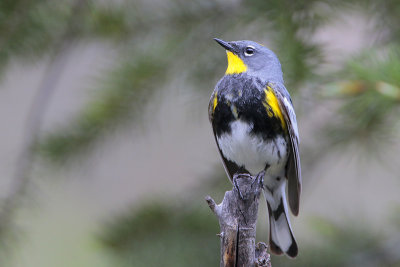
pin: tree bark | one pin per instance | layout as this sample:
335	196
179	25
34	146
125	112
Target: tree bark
237	216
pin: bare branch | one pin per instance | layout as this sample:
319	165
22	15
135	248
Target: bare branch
237	216
211	203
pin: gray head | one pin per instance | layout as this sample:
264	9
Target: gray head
253	59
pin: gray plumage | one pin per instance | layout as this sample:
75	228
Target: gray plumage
238	121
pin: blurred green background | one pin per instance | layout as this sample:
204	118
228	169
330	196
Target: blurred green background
106	149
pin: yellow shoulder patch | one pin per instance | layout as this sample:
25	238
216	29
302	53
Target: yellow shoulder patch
272	105
235	64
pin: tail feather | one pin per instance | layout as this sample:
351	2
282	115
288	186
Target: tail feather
281	239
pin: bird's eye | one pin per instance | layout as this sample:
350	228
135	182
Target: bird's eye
249	51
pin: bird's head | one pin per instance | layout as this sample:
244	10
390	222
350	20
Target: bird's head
252	58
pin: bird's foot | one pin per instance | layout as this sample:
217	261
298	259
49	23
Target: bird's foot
260	177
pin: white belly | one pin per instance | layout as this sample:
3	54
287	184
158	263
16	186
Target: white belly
252	152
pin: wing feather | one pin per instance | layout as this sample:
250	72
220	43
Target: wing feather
293	168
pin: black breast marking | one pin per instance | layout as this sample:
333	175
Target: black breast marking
222	118
246	94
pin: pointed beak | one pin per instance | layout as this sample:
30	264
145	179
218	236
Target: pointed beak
224	44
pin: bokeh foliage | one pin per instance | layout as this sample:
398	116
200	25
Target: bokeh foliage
164	235
181	235
370	96
158	42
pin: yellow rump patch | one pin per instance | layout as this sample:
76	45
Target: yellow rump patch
215	101
272	105
235	64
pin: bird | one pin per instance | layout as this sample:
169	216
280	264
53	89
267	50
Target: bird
255	128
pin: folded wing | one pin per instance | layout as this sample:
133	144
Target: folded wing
293	168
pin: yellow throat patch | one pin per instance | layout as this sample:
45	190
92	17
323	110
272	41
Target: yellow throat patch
235	64
272	105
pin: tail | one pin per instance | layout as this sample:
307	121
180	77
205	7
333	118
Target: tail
281	239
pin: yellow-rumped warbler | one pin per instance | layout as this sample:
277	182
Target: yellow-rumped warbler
255	128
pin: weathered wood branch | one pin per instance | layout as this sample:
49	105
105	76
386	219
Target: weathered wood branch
237	216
